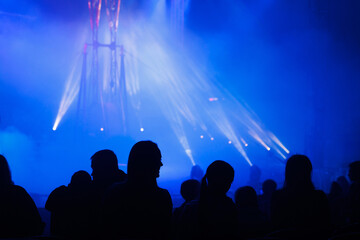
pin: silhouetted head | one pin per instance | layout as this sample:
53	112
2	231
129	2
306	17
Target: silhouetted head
190	189
354	171
246	197
219	176
344	184
104	164
335	189
144	161
269	186
80	179
298	173
5	174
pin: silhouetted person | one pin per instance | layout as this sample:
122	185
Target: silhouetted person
105	173
335	190
353	198
268	188
190	191
251	221
214	215
337	204
138	208
344	184
71	208
105	170
298	205
19	216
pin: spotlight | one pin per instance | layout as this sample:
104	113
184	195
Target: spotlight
212	139
277	141
102	129
189	154
54	128
141	129
229	142
268	148
201	136
246	144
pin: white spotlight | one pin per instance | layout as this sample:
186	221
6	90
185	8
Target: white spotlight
229	142
201	136
189	154
212	139
277	141
102	129
141	129
243	141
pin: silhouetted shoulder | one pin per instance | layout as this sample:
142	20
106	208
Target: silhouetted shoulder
21	196
320	195
56	198
164	194
20	216
300	210
19	191
141	212
125	192
317	196
229	202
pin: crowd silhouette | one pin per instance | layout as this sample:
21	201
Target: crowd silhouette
110	204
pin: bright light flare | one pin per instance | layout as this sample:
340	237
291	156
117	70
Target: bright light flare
71	91
185	89
277	141
189	154
182	83
240	149
259	140
179	131
280	153
223	124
